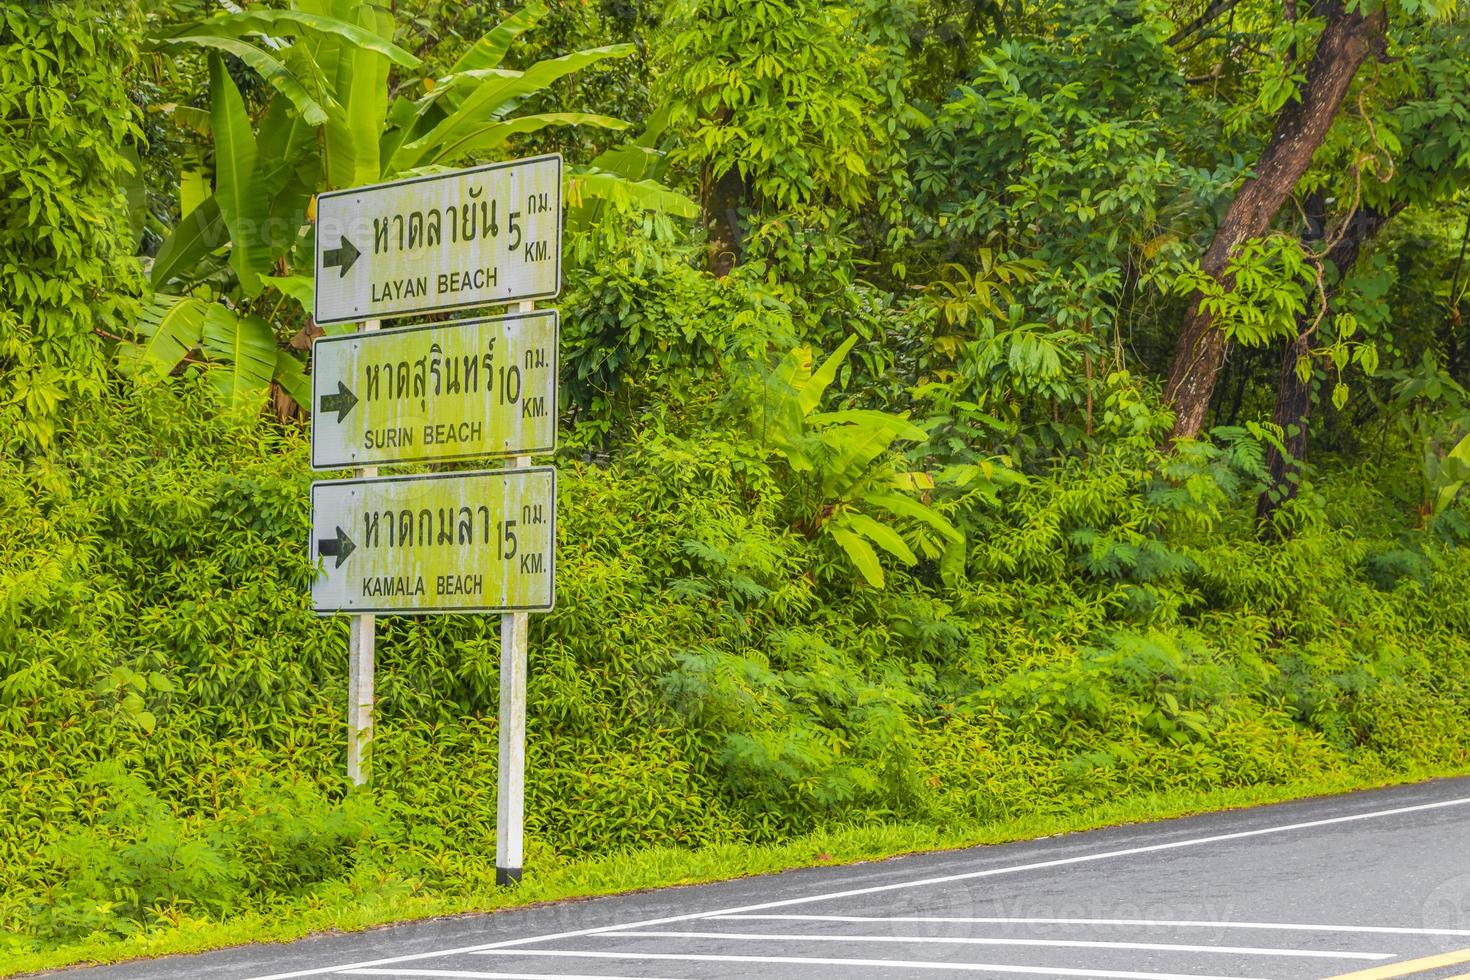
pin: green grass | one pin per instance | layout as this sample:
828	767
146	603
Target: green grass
662	867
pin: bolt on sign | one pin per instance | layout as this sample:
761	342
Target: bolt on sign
477	237
448	391
474	542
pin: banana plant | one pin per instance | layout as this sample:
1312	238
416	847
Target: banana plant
861	496
330	121
1454	473
1432	410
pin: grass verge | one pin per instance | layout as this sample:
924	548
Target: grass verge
664	867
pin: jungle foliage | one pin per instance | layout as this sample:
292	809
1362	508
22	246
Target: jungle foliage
925	456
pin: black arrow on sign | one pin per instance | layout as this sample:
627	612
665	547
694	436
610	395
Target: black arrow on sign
340	257
341	402
339	547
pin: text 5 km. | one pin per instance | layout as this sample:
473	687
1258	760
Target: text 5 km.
475	219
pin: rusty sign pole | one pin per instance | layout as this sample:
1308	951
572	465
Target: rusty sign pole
361	650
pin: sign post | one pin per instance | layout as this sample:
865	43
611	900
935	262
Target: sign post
361	653
468	542
510	797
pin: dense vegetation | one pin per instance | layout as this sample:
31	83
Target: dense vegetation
971	410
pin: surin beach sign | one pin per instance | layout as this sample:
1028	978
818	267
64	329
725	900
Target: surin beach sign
439	543
477	237
449	391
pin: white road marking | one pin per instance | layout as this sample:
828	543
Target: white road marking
1148	923
1049	971
876	889
1323	954
472	975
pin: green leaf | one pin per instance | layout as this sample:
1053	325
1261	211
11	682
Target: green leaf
290	374
284	142
864	558
135	188
1448	492
300	288
402	115
494	98
197	234
852	451
952	562
191	118
882	535
1368	358
355	127
490	50
626	178
243	350
1461	452
809	393
275	73
171	326
240	203
586	184
897	503
629	162
491	136
896	426
193	187
260	20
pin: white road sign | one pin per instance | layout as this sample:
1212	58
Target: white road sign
444	542
476	237
447	391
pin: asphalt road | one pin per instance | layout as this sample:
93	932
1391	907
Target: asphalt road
1371	885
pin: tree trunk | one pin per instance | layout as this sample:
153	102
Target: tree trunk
1346	42
1293	411
723	197
1452	333
1294	396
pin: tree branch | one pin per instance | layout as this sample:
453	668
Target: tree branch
1213	10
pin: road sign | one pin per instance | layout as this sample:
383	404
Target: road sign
476	237
443	542
447	391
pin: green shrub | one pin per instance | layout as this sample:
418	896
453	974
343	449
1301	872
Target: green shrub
172	709
65	160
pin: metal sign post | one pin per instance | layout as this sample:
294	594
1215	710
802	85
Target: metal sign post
510	796
361	653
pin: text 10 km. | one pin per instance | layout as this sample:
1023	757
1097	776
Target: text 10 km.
386	382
